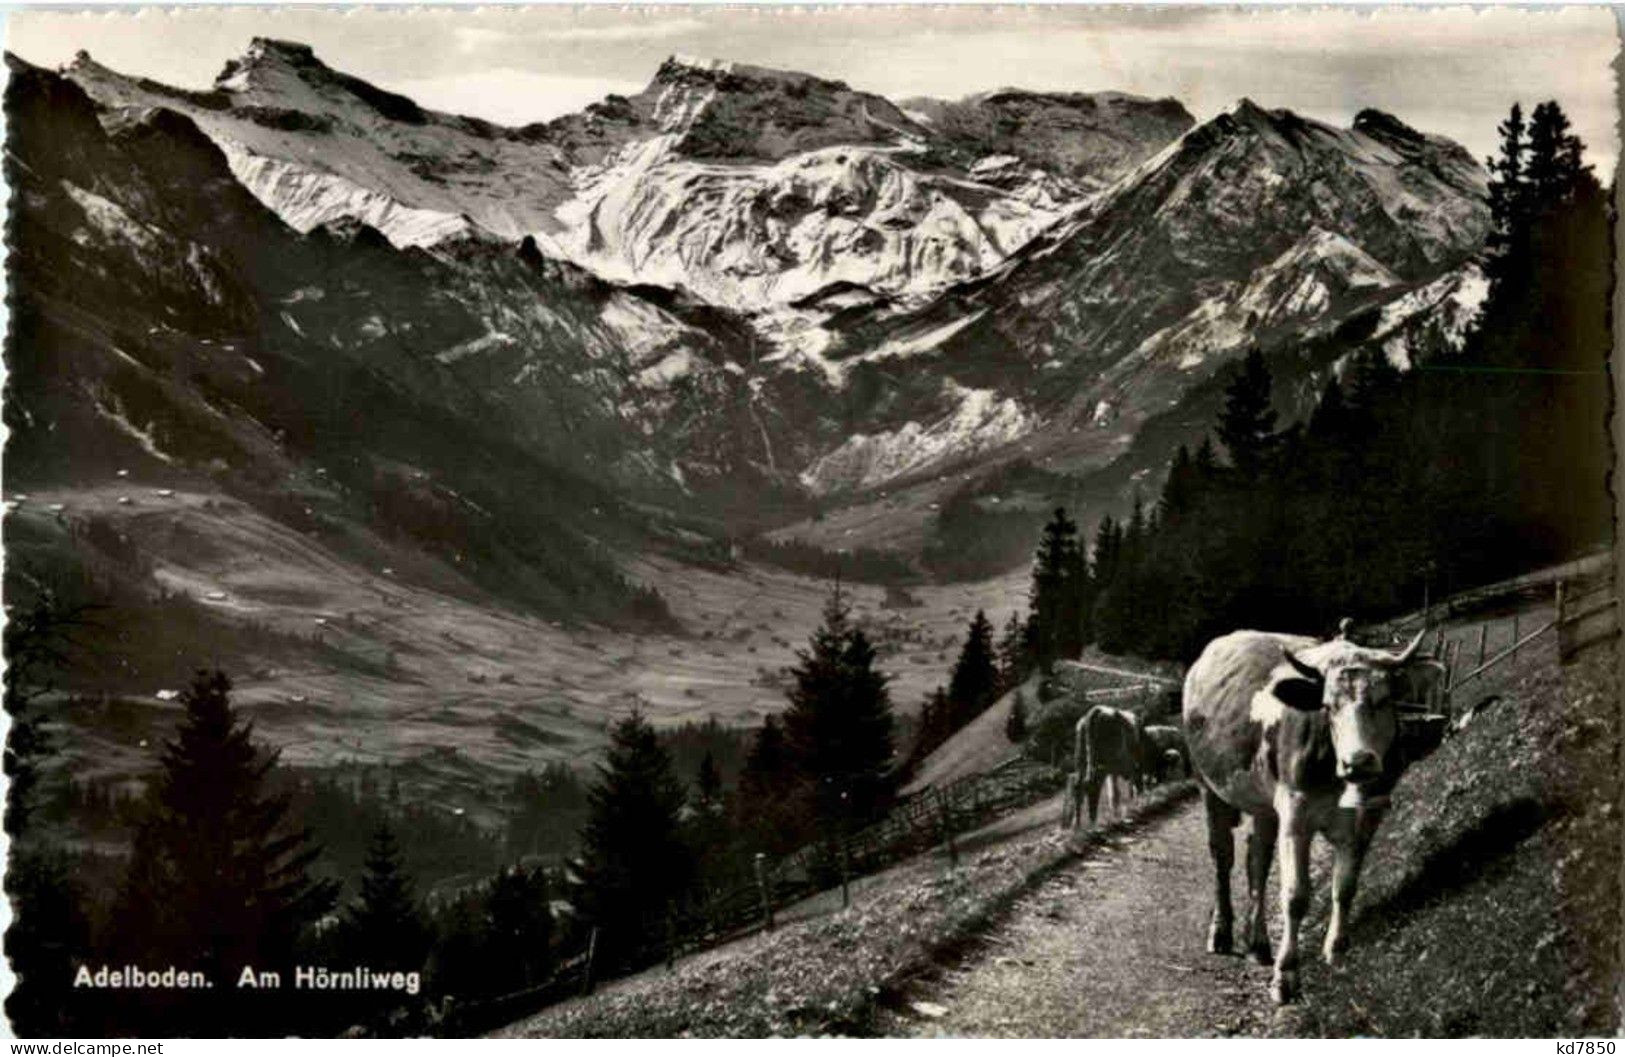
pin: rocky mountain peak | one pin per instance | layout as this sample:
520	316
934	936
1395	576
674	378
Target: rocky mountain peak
1088	137
1381	125
719	110
287	75
268	57
738	76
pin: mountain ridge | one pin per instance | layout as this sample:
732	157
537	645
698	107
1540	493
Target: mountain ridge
1049	298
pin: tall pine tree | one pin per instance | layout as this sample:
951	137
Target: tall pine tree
975	679
635	866
218	879
386	926
520	919
1053	597
839	724
1247	422
1014	657
768	804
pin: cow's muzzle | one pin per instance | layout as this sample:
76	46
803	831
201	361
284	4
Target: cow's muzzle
1363	766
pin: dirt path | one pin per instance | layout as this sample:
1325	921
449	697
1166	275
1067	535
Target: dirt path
1111	946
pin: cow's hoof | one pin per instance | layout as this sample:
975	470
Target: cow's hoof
1334	950
1284	988
1260	950
1220	941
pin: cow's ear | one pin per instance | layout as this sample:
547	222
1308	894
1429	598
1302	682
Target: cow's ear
1304	695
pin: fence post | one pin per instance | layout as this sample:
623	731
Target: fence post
592	951
1562	634
671	938
761	886
948	828
1483	638
846	873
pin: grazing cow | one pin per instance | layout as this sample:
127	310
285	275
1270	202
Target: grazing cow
1295	733
1107	744
1165	753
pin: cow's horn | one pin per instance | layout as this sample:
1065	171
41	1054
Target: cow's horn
1305	670
1408	652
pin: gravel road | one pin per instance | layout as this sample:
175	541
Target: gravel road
1112	946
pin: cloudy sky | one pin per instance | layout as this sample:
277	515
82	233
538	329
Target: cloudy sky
1453	71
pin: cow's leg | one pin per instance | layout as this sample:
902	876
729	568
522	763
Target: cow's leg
1221	823
1352	844
1260	856
1092	788
1294	838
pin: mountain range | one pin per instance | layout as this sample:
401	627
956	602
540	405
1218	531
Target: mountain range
743	301
1052	268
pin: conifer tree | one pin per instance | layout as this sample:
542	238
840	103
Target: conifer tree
1178	491
839	724
234	869
1246	422
218	879
1556	169
1055	559
935	715
708	784
520	933
975	678
1075	628
1014	659
707	825
635	866
767	763
46	940
386	927
1508	199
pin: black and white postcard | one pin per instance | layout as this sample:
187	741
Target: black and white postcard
922	521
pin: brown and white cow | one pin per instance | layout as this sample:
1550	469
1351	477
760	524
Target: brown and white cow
1296	733
1106	744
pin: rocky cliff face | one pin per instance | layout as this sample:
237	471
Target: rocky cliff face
759	278
1089	138
1258	226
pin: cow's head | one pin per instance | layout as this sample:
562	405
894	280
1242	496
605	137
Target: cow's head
1358	688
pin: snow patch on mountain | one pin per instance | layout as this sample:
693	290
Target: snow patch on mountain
979	420
1322	271
902	348
1432	317
306	199
109	219
757	237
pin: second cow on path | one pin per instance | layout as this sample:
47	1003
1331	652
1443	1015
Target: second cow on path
1107	743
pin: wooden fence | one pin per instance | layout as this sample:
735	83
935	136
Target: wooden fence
930	818
1583	614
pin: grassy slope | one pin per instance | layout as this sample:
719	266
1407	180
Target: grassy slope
833	973
1490	904
979	745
